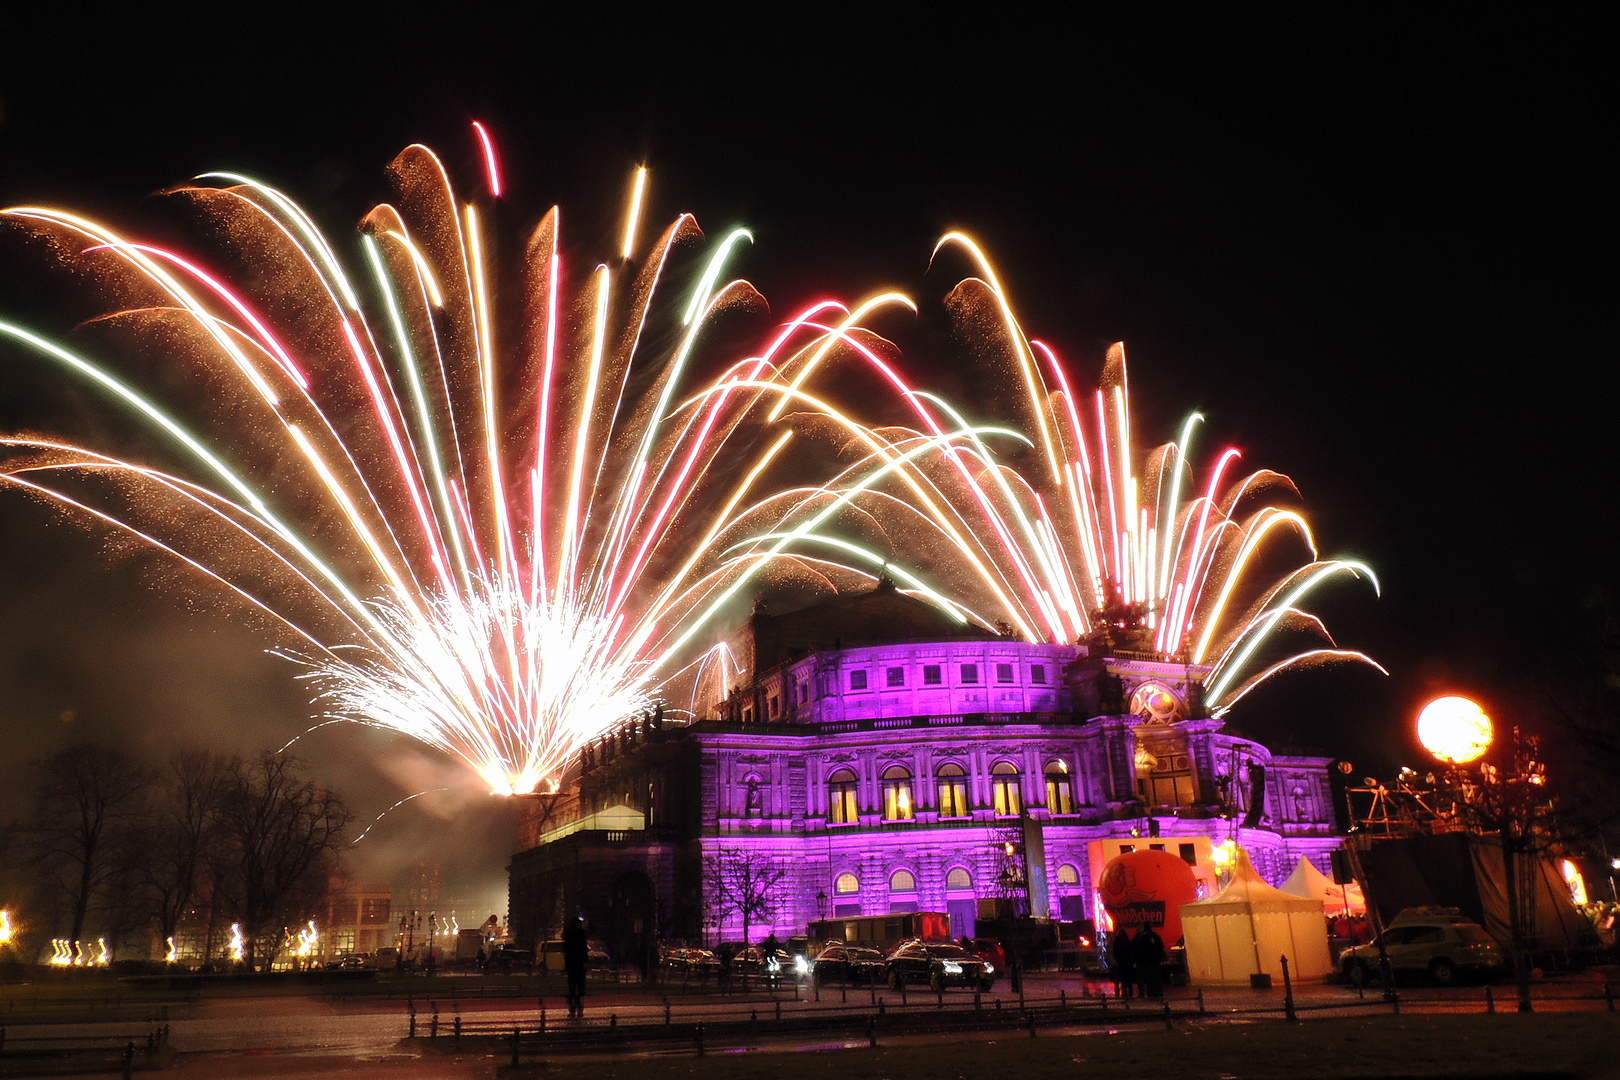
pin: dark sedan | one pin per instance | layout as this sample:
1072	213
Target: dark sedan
840	963
698	964
938	965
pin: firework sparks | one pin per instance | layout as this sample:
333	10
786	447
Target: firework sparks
498	549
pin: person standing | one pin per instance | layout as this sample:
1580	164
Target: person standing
576	950
1150	957
1121	963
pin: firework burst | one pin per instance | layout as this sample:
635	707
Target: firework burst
499	552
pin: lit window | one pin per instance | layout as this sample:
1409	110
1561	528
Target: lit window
952	788
1059	789
1004	789
857	680
1003	673
902	881
897	794
931	676
958	878
970	673
846	884
1068	875
897	676
841	798
1037	674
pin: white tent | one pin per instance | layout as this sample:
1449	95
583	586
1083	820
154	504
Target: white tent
1248	927
1309	882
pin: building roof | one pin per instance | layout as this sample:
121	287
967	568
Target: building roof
880	615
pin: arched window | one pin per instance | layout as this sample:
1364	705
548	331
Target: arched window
902	881
1068	874
959	878
1059	788
1004	789
897	794
952	789
846	884
841	798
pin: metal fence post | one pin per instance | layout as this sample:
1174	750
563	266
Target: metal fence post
1288	994
1395	1002
1490	1000
700	1038
458	1032
1031	1018
666	1012
1200	1001
871	1031
778	1012
514	1048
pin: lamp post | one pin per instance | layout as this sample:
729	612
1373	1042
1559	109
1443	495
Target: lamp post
1497	789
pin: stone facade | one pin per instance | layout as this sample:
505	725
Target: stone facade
886	777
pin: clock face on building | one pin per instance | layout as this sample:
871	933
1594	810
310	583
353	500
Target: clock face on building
1155	702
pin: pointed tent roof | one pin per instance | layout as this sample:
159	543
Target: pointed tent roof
1248	891
1312	884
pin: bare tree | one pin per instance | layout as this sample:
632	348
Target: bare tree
89	810
283	833
186	834
742	883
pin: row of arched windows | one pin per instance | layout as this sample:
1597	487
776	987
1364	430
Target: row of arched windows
904	881
950	790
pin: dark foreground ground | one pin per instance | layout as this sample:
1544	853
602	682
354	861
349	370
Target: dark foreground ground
1563	1045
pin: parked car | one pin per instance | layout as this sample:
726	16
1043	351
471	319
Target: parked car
843	963
937	965
697	964
1439	942
754	962
990	951
507	959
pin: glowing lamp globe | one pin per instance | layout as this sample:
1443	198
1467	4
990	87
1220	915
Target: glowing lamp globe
1454	729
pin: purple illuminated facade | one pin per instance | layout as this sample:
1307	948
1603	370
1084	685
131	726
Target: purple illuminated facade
891	775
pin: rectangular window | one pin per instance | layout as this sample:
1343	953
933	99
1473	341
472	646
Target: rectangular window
1037	674
841	805
953	798
804	692
970	673
931	676
1124	848
775	704
1155	847
1189	854
897	676
857	680
1003	673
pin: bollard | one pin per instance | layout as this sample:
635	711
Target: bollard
129	1060
1031	1018
1169	1022
998	1004
1020	991
433	1025
613	1020
753	1020
542	1016
411	1034
700	1038
778	1012
940	994
1200	1001
151	1044
1104	998
666	1012
458	1031
843	993
1395	1002
817	984
902	992
873	989
1608	994
871	1031
976	1003
1490	1000
1288	994
882	1007
1063	999
515	1061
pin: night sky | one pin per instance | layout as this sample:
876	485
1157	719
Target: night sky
1368	246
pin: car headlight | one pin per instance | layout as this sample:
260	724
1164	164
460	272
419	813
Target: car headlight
989	968
801	965
773	965
952	968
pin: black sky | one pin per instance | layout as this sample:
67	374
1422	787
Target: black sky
1371	245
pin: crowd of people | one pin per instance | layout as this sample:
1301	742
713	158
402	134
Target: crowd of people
1136	964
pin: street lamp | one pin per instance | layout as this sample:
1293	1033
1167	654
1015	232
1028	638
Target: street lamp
1455	730
821	902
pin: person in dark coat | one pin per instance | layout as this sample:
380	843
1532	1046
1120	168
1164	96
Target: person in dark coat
1149	954
1121	964
575	952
